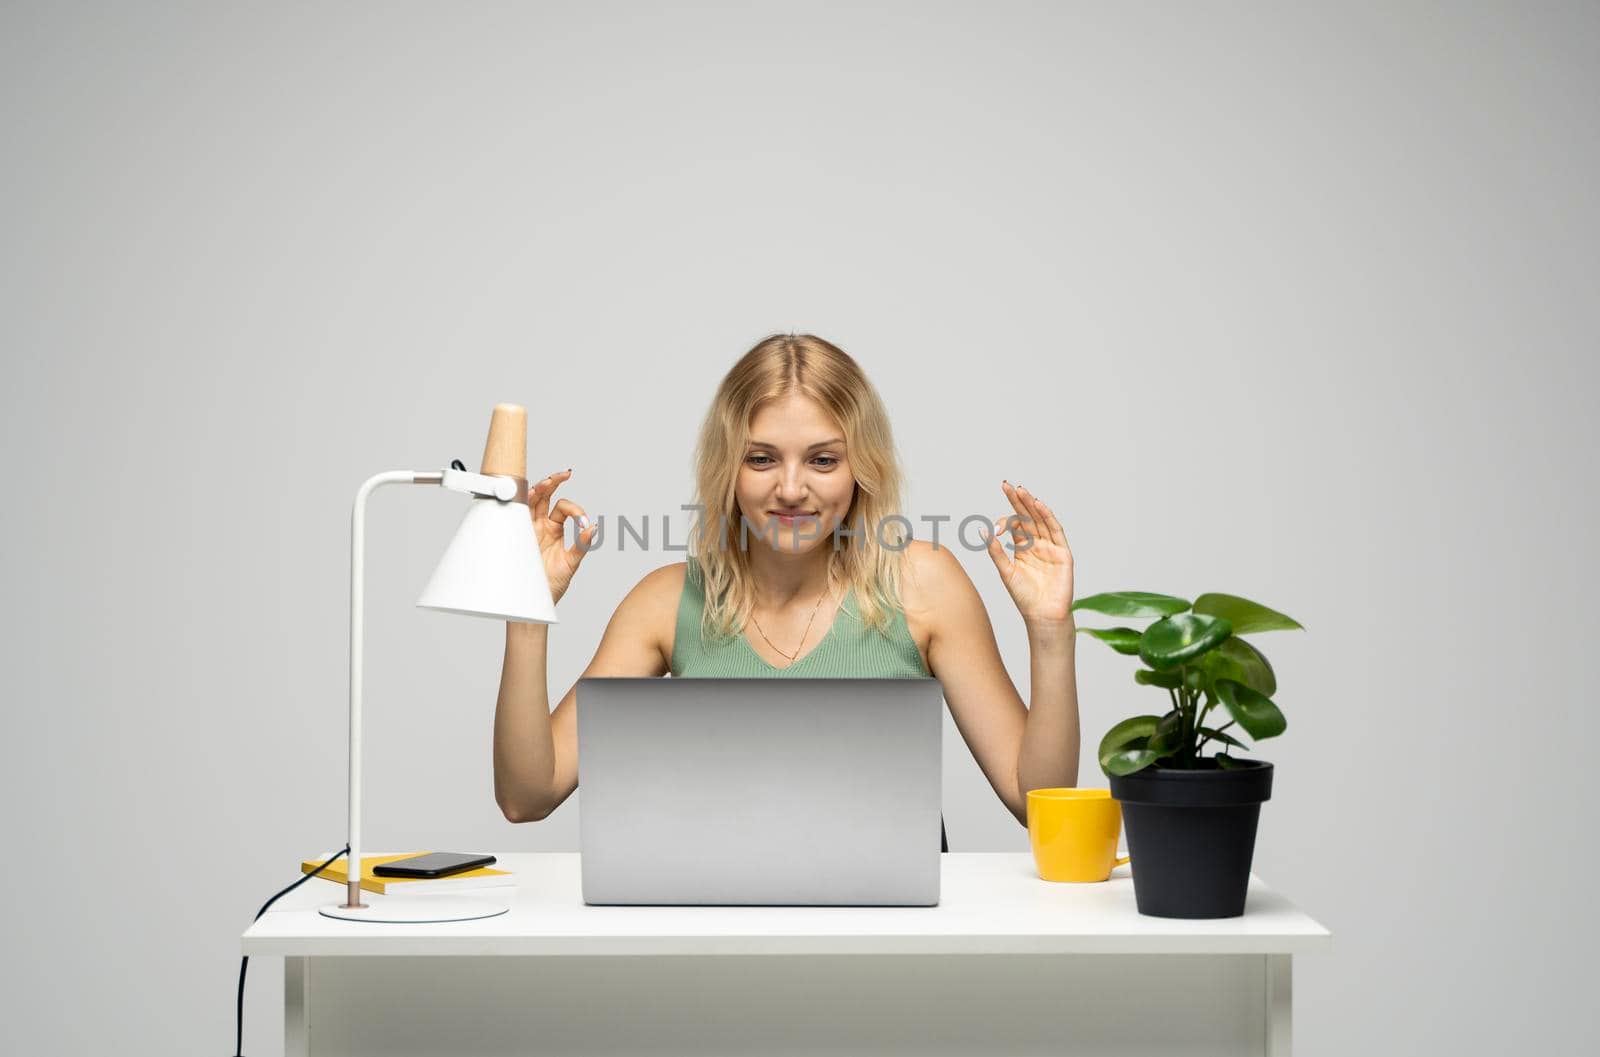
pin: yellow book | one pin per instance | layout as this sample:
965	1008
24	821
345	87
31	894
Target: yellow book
482	877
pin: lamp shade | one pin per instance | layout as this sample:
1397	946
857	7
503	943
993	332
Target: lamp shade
492	567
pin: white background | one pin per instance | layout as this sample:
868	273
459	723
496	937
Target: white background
1292	303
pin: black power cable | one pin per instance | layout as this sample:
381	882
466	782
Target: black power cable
244	963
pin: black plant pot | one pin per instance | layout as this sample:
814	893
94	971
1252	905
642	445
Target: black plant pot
1191	836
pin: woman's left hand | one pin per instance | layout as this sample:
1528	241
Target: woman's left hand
1038	573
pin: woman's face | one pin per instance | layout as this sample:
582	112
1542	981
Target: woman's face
795	464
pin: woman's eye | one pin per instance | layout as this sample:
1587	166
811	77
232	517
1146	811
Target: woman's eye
827	462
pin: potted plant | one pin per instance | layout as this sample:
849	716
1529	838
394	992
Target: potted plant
1191	818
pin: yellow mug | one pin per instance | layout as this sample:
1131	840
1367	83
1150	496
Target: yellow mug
1074	833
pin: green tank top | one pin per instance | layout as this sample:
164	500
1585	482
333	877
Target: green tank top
850	649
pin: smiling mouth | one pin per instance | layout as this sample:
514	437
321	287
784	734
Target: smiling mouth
792	515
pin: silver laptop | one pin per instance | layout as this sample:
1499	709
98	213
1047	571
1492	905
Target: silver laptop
815	792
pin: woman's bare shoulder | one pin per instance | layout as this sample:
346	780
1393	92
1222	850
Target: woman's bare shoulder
934	590
652	607
658	589
933	576
666	576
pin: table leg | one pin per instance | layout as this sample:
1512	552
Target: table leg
1280	1004
296	1024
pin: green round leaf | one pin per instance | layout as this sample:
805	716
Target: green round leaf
1146	677
1132	604
1226	762
1127	761
1245	616
1122	750
1123	640
1129	732
1236	659
1181	638
1255	712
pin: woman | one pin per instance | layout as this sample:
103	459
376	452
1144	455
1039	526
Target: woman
796	453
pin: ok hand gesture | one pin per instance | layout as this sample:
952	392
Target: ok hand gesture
549	528
1038	572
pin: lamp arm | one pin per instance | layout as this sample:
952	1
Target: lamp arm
358	561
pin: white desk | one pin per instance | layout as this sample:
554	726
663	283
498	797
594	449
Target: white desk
1005	964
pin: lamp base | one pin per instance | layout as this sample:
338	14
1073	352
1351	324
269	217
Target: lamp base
417	910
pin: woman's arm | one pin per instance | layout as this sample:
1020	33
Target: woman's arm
1038	577
535	750
1051	741
524	748
524	752
1018	748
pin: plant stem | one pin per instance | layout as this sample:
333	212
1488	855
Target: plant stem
1200	721
1220	729
1186	740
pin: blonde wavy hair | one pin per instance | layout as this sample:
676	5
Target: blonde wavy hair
776	367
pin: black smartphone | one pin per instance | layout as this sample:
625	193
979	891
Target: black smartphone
433	864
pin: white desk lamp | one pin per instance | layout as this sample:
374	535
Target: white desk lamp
492	568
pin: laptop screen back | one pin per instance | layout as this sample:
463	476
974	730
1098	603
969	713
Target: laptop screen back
760	791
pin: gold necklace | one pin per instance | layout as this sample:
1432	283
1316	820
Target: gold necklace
791	656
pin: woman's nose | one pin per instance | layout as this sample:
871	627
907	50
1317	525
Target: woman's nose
791	489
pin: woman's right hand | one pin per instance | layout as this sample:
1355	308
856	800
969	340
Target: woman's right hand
549	528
